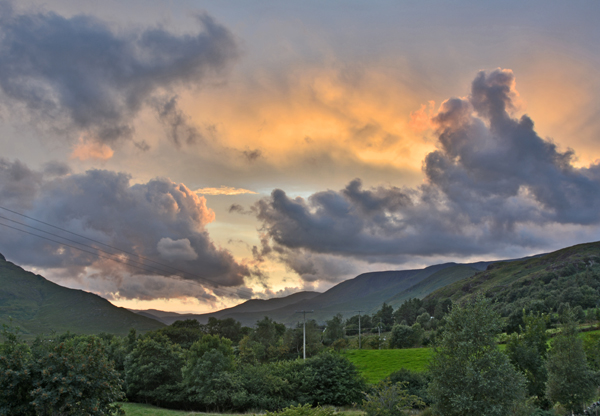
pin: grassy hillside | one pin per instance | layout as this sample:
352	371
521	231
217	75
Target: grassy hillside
38	306
435	281
569	275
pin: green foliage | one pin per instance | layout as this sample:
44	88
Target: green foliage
334	329
76	378
293	341
408	311
591	346
207	374
15	375
332	379
306	410
71	377
570	381
470	375
153	370
264	343
226	328
387	399
416	383
385	316
527	352
404	336
183	333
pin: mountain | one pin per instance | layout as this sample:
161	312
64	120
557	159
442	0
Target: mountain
38	306
250	307
366	292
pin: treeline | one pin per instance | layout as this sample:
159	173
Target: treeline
215	367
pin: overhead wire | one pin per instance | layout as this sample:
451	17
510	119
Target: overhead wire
145	267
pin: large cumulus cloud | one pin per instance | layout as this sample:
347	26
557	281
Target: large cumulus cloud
159	227
81	74
492	183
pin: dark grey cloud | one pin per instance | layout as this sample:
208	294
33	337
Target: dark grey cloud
95	79
491	182
159	220
179	128
252	155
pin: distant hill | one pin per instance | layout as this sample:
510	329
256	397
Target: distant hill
366	292
238	312
39	306
500	279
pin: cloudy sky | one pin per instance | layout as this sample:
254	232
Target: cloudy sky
190	155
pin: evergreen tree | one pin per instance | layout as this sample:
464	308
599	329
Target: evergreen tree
470	375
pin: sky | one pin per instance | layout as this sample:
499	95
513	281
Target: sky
189	155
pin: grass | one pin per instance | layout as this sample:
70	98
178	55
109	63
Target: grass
376	365
137	409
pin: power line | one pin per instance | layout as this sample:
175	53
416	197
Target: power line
112	247
145	267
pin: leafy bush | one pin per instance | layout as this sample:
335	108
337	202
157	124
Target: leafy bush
387	399
416	383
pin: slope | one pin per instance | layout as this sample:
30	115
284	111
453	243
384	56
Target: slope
569	275
39	306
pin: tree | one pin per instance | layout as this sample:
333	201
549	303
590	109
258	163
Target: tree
408	311
76	378
570	381
385	315
207	374
527	352
15	375
404	336
153	369
334	329
70	377
470	375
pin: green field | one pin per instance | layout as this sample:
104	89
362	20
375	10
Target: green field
136	409
376	365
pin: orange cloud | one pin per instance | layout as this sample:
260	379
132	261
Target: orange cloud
360	116
87	149
420	120
223	190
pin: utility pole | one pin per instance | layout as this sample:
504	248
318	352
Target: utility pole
359	338
304	332
379	327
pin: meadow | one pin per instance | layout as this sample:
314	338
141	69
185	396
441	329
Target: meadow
376	365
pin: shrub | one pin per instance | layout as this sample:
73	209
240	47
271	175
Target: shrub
388	399
416	383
